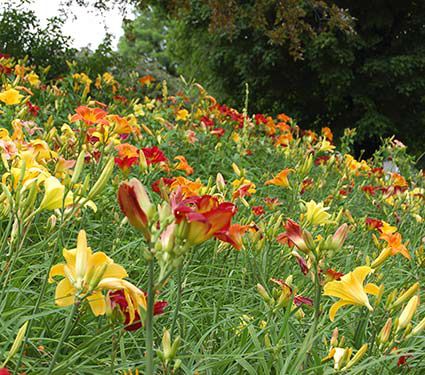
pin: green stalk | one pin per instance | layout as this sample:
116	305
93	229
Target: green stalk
178	301
149	320
65	333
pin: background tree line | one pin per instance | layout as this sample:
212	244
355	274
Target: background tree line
325	62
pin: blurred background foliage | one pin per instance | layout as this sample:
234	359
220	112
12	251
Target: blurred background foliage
337	63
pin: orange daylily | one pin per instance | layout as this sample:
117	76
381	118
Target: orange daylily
281	179
90	116
183	165
394	242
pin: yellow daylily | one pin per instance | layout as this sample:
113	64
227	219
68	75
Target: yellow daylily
11	97
182	115
350	290
86	274
54	195
316	213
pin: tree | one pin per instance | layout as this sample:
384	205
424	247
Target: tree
372	78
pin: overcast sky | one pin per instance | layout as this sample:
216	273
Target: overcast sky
88	27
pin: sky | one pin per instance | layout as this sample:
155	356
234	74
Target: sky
87	28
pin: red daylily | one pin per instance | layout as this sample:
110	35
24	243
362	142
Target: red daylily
204	216
153	155
117	300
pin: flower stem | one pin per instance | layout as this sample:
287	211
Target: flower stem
65	333
178	301
149	320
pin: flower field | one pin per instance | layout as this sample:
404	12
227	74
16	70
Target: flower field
148	233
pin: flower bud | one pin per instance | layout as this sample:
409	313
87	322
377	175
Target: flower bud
385	253
419	328
357	357
384	335
263	293
17	342
136	205
406	295
408	312
339	237
220	182
103	179
78	167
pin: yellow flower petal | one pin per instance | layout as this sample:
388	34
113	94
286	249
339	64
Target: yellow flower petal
56	270
97	303
372	289
64	295
115	270
335	307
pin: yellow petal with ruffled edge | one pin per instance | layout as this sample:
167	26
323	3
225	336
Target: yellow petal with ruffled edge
56	270
65	293
97	303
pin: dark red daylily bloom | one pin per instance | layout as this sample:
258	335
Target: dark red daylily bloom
333	275
258	210
125	163
372	223
4	371
300	300
118	300
260	119
368	189
208	122
164	181
33	109
153	155
321	160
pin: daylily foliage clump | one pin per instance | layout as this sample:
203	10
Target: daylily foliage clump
158	233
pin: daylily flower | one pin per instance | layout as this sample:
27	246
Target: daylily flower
183	165
153	155
136	205
86	274
11	97
54	195
316	214
234	235
394	242
182	115
90	116
118	300
146	80
298	236
202	217
281	179
350	290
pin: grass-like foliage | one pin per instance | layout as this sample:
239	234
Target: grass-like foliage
149	233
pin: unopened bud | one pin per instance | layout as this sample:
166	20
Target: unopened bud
263	293
408	312
357	357
381	257
103	179
406	295
384	335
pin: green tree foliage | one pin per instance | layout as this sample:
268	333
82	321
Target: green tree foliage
300	57
22	35
144	46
